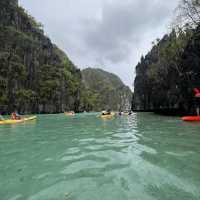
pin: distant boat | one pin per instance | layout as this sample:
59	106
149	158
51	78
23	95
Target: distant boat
125	113
104	115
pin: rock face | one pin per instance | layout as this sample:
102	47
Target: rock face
106	91
166	76
35	76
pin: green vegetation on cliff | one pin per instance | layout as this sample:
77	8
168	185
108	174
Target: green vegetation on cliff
104	90
35	76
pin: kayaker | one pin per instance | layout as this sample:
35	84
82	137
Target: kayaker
103	112
15	116
107	112
197	100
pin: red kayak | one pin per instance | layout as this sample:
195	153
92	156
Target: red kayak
191	118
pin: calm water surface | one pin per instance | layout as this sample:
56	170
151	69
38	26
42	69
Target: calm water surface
142	157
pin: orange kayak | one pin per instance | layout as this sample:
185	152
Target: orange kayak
191	118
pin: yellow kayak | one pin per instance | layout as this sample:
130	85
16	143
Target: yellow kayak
110	116
69	113
10	121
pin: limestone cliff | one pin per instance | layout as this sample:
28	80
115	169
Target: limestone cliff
166	76
35	76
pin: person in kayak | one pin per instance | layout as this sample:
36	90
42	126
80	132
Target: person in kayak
103	112
107	112
197	100
15	116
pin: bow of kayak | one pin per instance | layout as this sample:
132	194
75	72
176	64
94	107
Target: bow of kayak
10	121
191	118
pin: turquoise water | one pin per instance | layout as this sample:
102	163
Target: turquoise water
141	157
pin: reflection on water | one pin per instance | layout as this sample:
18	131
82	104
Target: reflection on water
143	156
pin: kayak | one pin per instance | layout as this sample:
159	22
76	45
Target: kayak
191	118
69	113
10	121
110	116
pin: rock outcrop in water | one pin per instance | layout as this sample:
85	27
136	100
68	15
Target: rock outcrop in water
35	76
105	91
166	76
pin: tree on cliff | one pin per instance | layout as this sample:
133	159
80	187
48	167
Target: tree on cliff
188	13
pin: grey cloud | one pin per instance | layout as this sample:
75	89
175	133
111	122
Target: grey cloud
121	25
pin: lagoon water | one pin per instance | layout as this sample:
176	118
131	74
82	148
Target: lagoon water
141	157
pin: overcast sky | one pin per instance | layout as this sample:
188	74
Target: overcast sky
108	34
